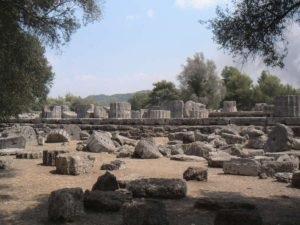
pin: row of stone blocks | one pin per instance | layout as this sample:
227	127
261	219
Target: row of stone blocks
68	163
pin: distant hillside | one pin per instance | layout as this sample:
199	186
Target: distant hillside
105	100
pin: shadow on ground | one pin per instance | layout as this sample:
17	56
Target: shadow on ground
277	210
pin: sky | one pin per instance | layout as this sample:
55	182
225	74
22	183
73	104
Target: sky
139	42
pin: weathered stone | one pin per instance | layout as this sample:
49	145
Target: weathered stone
74	164
198	149
262	159
238	217
85	111
289	158
12	142
113	165
26	131
73	131
251	132
258	142
233	139
41	140
262	176
160	140
236	150
84	135
164	150
201	137
125	151
176	149
106	182
272	167
65	204
58	135
11	151
217	159
229	106
158	188
187	158
283	177
287	106
245	167
100	201
218	142
146	149
100	142
120	110
255	152
80	146
159	114
185	137
136	114
49	156
229	129
296	179
6	163
149	212
100	112
279	139
68	115
215	204
29	155
123	140
123	181
195	173
175	107
195	110
53	112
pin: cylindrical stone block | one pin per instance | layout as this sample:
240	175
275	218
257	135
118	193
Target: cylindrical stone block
287	106
229	106
120	110
160	114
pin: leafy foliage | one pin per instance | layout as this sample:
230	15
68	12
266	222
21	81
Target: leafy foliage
51	21
25	75
269	86
199	81
70	100
256	27
238	86
163	91
139	100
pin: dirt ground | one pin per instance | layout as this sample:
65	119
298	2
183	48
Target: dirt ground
24	191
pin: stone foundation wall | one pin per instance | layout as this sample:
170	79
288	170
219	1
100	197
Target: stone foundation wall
137	128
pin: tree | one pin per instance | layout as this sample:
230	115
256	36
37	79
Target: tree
163	91
269	86
140	100
256	28
199	81
25	75
51	21
70	100
238	86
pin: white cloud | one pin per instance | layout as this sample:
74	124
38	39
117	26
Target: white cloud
150	13
289	74
197	4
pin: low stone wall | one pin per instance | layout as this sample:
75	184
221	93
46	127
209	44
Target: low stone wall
137	128
240	121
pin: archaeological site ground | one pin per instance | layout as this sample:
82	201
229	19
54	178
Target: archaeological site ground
189	168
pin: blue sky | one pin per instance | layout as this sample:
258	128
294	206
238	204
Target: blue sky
137	43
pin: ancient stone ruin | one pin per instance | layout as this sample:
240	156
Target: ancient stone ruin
164	165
